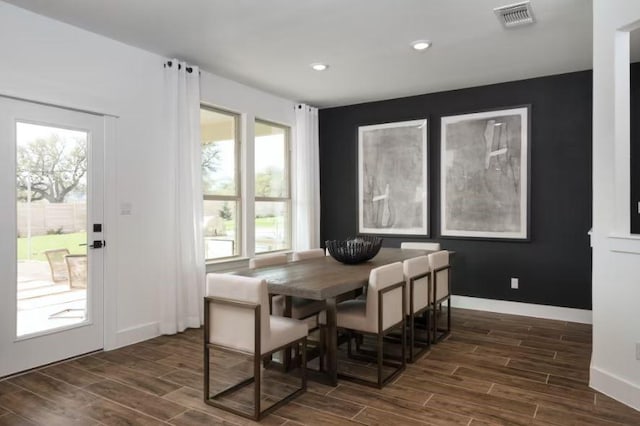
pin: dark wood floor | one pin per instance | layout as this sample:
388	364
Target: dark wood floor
493	369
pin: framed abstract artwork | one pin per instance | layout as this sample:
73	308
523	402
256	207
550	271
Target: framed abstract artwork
484	174
392	178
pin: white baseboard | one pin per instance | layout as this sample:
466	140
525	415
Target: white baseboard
136	334
527	309
616	387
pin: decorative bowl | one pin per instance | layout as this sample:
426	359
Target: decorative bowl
354	250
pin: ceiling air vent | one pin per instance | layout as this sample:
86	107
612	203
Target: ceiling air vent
515	15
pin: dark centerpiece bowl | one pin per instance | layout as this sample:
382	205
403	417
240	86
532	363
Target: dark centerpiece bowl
354	250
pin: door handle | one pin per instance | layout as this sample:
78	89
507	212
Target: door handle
98	244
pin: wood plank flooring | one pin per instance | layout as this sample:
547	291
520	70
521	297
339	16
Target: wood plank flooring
493	369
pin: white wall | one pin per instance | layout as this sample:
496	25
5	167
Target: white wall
49	61
616	254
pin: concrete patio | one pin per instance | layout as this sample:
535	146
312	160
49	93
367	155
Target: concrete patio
44	304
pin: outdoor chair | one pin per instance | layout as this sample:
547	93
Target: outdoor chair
77	270
59	270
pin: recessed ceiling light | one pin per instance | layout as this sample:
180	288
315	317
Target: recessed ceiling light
319	66
421	45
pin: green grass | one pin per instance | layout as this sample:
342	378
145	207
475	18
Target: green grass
41	243
261	222
267	222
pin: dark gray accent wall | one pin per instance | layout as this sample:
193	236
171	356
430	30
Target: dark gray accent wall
554	268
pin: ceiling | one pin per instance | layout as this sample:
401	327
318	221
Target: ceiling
270	44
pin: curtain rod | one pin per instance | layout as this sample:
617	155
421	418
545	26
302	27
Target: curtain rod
170	64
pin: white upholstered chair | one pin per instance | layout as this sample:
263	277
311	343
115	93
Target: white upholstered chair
441	290
420	246
268	260
303	308
417	276
300	308
237	319
382	311
307	254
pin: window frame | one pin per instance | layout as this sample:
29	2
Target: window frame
237	152
287	175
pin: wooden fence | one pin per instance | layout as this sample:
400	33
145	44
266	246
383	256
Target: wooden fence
49	218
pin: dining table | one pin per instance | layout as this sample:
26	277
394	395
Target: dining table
324	278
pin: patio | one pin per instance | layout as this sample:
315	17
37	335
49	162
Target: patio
44	304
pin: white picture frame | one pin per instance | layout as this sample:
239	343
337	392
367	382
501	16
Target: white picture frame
393	195
484	174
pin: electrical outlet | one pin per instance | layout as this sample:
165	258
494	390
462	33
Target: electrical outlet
638	351
514	283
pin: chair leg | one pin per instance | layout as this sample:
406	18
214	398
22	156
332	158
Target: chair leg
435	323
380	355
304	364
323	343
359	340
412	336
207	373
449	315
404	342
256	384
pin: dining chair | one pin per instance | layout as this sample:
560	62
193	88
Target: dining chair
268	260
417	276
420	246
441	290
300	308
381	312
237	320
307	254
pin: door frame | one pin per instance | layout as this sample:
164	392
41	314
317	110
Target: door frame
109	219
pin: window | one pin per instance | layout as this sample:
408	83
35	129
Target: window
220	183
272	188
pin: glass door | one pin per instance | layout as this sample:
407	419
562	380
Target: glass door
51	261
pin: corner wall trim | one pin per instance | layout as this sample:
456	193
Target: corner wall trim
136	334
527	309
616	387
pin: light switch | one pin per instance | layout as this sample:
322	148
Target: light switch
126	209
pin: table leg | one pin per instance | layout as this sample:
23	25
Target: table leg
286	360
332	342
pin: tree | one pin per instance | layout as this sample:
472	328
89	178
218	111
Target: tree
269	183
225	212
210	164
52	167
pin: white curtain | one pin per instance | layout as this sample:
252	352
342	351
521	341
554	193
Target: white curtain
182	292
307	181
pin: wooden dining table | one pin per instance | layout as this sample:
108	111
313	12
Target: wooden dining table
325	279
